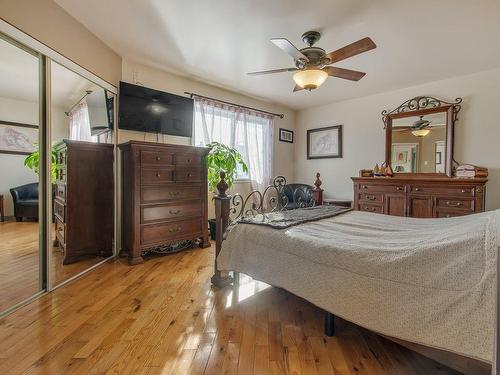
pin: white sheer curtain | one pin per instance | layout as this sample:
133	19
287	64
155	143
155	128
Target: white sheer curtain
79	123
249	132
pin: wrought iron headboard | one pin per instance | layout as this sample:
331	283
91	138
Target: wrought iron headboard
228	210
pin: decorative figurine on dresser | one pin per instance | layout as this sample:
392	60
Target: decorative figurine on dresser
419	177
84	199
165	198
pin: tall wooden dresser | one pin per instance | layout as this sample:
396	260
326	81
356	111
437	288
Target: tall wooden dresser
84	199
419	196
165	196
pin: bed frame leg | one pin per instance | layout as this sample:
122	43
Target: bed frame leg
329	324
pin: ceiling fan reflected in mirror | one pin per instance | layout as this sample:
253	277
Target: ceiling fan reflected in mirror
312	63
420	128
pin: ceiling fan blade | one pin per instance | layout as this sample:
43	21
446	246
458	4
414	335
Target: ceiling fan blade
289	48
351	75
353	49
297	88
272	71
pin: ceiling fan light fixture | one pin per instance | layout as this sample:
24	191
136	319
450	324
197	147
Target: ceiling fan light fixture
310	79
420	132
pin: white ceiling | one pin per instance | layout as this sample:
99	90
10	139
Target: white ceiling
219	41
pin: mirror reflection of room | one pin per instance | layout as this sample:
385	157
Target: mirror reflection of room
19	211
82	173
419	144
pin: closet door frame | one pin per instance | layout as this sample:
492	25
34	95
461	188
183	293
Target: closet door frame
47	56
42	134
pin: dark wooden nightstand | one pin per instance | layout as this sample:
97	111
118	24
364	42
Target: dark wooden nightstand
337	202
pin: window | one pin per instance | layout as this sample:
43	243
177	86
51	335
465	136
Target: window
248	132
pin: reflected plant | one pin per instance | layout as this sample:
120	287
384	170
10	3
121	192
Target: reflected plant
32	161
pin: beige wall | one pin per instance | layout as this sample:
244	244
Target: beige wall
160	80
477	131
47	22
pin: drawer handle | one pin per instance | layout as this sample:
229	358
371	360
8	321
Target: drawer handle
189	174
173	230
451	204
371	209
175	212
417	189
371	197
158	175
464	191
158	158
400	188
364	186
189	160
174	193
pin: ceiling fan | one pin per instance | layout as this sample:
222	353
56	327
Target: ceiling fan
312	63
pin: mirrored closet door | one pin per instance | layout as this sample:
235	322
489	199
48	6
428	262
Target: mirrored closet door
82	123
21	256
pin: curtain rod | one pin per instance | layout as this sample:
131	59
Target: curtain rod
191	94
87	93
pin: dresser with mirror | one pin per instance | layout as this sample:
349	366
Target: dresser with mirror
419	140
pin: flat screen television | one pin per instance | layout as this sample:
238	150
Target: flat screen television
146	110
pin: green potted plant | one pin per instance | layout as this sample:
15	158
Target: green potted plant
222	158
32	161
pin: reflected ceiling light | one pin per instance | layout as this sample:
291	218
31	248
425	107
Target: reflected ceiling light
420	127
420	132
310	79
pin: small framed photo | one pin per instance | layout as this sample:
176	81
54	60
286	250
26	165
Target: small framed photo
18	139
286	135
324	142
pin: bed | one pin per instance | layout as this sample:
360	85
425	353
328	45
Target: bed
430	283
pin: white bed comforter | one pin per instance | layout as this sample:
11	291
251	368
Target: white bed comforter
428	281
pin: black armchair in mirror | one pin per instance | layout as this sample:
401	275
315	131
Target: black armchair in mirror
420	135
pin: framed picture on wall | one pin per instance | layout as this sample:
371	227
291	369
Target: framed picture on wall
286	135
324	142
17	138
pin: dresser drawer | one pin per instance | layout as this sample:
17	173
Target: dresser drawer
371	208
171	211
156	157
61	174
61	192
187	174
443	190
156	233
368	188
60	231
454	203
59	210
371	197
187	159
152	194
440	213
156	175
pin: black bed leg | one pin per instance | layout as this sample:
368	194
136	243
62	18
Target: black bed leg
329	324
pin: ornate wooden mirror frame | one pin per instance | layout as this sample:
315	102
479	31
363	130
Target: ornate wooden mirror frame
421	106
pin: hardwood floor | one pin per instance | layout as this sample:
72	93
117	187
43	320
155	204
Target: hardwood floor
19	262
162	317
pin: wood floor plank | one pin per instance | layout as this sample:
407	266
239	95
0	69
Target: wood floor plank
163	317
